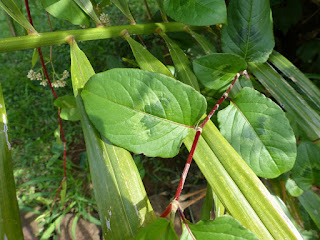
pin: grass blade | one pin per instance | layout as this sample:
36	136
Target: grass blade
289	99
10	225
293	73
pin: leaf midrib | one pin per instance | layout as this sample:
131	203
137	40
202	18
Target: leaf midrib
139	111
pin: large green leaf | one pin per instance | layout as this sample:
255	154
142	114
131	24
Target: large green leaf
121	198
306	170
67	10
311	202
87	7
160	229
10	225
13	10
297	77
142	111
249	30
223	228
259	131
217	70
288	98
181	63
196	12
145	59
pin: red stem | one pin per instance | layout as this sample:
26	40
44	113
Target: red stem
54	94
195	142
185	223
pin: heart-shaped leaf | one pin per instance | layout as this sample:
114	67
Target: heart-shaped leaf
260	132
306	170
196	12
160	229
223	228
249	30
67	10
217	70
142	111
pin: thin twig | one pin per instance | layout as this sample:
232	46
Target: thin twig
185	222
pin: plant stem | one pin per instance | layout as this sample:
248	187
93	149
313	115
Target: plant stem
59	37
55	96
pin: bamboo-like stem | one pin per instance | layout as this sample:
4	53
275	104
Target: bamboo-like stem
56	38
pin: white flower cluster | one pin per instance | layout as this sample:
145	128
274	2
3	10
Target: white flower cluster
61	82
32	75
104	18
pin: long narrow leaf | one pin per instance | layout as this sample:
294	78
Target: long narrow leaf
87	7
13	10
10	225
181	63
124	8
289	99
225	187
253	190
293	73
122	201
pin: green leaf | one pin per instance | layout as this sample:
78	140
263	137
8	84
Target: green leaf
249	30
297	77
74	226
246	197
196	12
207	46
87	7
63	192
288	98
142	111
311	202
259	131
35	57
306	170
160	229
223	228
145	59
292	188
124	8
67	10
13	10
69	109
217	70
163	15
121	198
10	225
181	63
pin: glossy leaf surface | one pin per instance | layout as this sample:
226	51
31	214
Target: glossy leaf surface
87	7
288	98
141	111
196	12
67	10
306	170
160	229
121	198
259	131
13	10
216	71
249	30
181	62
223	228
10	225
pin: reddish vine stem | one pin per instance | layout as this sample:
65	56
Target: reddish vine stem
195	142
185	223
55	96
